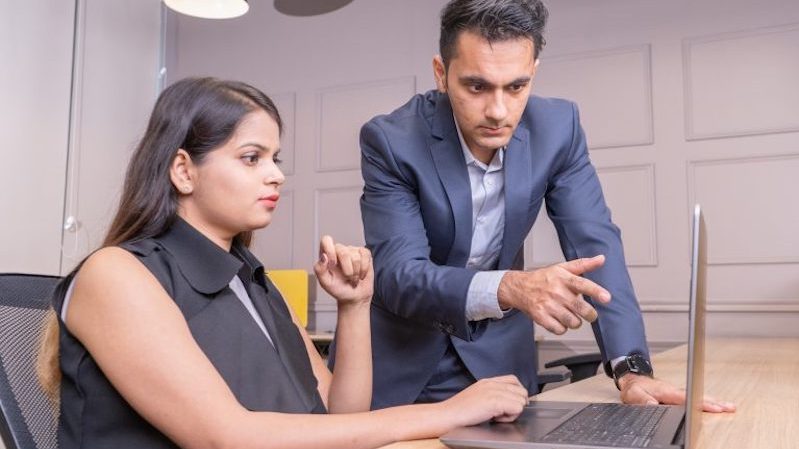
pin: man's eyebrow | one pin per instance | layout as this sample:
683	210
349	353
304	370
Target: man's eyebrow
471	79
474	80
520	80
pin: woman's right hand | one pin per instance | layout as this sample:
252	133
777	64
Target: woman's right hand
345	272
500	398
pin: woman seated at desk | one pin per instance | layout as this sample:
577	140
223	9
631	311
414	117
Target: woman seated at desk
171	335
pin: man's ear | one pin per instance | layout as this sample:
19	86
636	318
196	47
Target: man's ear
440	74
181	172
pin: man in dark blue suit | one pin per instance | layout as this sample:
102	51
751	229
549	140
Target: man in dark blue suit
454	180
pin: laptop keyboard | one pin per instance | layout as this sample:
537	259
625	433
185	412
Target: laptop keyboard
611	425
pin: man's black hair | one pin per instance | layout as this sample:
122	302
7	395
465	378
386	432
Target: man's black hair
494	20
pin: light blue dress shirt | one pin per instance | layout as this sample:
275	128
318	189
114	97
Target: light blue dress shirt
488	224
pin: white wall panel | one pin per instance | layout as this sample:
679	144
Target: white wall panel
337	213
750	205
742	83
286	104
613	89
344	109
274	245
630	195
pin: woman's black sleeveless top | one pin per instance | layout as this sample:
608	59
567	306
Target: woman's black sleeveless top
195	273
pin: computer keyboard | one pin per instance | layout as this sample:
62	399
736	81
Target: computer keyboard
610	425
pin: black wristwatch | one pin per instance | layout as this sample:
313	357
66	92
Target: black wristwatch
633	363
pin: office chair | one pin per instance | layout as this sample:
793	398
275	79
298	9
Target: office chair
293	286
578	367
28	420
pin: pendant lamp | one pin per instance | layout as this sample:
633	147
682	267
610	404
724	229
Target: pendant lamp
209	9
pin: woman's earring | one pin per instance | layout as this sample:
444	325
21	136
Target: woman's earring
185	189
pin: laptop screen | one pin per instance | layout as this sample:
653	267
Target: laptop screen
696	329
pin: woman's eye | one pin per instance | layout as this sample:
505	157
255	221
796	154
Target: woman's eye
277	160
250	159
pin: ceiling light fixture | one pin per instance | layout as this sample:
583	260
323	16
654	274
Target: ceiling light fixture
209	9
306	8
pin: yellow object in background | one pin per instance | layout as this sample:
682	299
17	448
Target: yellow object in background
293	285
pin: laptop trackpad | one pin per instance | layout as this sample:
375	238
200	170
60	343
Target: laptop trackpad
552	413
540	418
537	419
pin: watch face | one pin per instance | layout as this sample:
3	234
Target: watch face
638	364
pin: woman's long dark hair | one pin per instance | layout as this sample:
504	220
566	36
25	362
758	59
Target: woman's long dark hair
197	115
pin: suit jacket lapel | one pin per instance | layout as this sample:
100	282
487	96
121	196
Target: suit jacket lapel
451	166
518	189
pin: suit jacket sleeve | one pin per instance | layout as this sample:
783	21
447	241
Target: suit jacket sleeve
576	206
407	282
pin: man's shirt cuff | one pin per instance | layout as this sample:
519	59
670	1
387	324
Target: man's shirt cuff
481	299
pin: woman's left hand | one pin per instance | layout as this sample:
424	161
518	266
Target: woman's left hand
345	272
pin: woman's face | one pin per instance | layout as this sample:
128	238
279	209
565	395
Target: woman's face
236	187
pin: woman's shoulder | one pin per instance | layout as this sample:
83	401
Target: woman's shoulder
110	263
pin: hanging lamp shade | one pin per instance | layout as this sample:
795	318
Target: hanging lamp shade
209	9
305	8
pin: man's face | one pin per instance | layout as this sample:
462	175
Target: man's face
488	85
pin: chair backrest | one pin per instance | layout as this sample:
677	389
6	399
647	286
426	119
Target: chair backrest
28	420
293	285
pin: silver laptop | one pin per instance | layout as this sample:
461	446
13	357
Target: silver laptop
574	425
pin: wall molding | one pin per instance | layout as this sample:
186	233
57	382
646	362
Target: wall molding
316	199
691	166
723	306
285	196
408	82
585	346
688	45
645	51
649	169
286	102
650	261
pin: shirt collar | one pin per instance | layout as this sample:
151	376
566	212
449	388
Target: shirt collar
206	266
496	163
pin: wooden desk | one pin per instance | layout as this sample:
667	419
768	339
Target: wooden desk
760	375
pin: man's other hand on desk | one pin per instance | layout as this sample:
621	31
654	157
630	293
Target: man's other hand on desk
637	389
553	296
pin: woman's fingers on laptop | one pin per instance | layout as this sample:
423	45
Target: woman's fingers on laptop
500	398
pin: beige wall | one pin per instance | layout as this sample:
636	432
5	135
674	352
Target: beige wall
683	102
688	102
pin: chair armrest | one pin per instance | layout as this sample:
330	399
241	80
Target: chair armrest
551	377
581	366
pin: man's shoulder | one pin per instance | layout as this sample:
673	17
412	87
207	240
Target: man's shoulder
538	104
549	115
